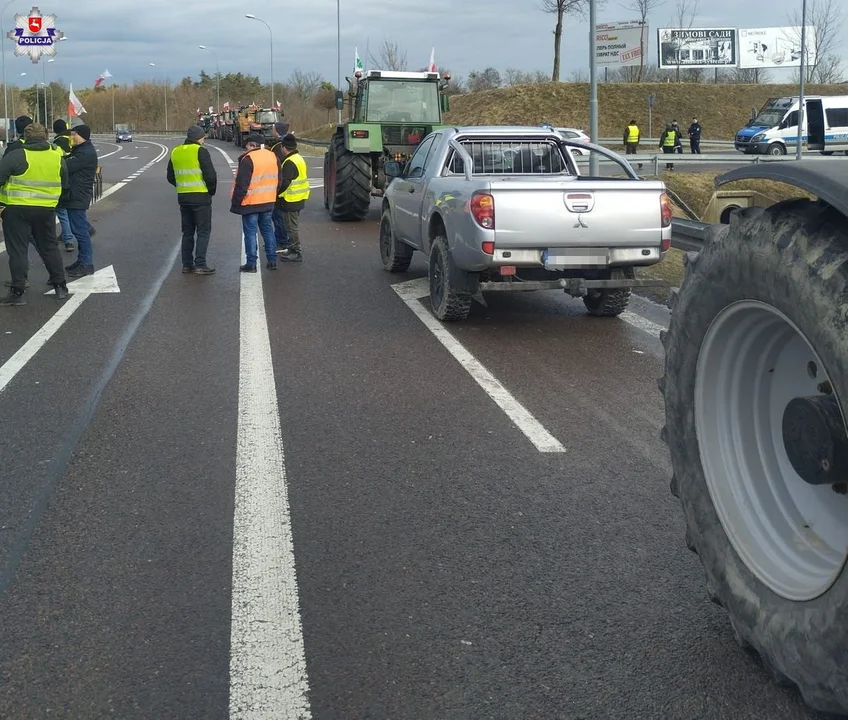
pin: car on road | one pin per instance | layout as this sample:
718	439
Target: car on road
574	134
123	136
507	209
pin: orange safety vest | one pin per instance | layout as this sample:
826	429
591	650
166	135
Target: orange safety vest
262	189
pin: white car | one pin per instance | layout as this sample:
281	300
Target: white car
574	134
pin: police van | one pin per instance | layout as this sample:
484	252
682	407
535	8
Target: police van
774	131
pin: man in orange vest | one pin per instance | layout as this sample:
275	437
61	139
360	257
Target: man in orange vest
258	182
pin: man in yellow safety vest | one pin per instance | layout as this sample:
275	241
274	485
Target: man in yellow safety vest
293	196
190	170
32	178
631	139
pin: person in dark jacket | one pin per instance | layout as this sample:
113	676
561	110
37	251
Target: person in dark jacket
21	124
196	184
279	131
254	196
32	178
695	137
669	140
82	168
294	192
62	140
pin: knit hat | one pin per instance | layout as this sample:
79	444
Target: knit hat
21	123
195	132
254	138
282	128
35	132
290	142
83	131
59	126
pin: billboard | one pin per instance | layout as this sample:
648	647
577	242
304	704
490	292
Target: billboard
776	47
697	48
620	43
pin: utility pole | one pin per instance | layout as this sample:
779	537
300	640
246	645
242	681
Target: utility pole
803	70
593	87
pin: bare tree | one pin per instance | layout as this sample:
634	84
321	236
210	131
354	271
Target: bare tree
561	8
643	7
684	16
305	84
391	57
747	76
483	80
513	76
825	18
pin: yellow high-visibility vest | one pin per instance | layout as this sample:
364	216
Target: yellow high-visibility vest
299	188
40	185
632	134
187	171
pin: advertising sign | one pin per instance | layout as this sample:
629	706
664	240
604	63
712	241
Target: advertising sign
697	47
620	43
775	47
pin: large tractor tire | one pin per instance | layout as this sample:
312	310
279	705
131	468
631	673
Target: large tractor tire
348	181
756	391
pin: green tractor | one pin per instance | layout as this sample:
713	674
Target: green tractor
390	113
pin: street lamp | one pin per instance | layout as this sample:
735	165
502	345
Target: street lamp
166	99
593	88
253	17
51	90
802	70
3	56
217	78
339	49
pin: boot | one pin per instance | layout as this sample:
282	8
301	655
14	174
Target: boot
61	291
13	299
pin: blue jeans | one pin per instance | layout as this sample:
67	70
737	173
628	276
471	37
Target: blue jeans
265	224
79	227
283	239
67	235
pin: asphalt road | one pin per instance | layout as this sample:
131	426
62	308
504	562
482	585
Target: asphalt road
172	444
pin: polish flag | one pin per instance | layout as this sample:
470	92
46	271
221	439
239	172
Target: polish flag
75	108
227	105
432	66
279	105
105	75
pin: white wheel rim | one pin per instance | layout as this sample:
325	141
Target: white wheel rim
791	535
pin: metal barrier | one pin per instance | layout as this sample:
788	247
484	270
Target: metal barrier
689	235
98	186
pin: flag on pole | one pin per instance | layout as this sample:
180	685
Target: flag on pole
357	63
105	75
227	105
279	105
432	66
75	107
211	109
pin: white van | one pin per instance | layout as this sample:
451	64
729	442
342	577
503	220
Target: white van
775	129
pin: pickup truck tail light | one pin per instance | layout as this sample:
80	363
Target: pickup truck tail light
665	210
483	210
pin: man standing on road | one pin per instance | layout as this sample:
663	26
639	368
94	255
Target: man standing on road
21	124
32	179
294	192
190	170
255	191
631	139
82	168
279	131
695	137
63	141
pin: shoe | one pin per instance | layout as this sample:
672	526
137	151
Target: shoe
13	299
187	269
81	271
204	270
70	247
61	291
271	266
8	284
73	266
248	268
291	257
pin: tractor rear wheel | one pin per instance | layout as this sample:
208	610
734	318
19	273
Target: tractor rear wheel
756	395
348	181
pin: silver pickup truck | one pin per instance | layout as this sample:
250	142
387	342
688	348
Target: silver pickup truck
506	208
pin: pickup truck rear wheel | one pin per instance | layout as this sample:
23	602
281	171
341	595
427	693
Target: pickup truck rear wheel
395	254
611	302
448	302
756	393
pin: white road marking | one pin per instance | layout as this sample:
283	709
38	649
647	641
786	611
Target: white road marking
267	663
103	281
641	323
411	292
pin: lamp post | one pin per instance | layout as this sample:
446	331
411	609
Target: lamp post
51	90
593	88
802	70
217	79
166	100
271	32
339	50
3	58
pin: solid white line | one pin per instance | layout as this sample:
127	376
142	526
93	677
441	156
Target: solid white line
641	323
17	362
410	293
267	662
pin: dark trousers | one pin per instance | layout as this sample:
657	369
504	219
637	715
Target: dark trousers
79	227
669	151
195	219
20	225
280	231
292	219
695	146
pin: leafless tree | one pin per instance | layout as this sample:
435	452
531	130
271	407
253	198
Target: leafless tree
747	76
512	76
684	15
483	80
643	7
391	57
559	9
305	84
579	76
825	16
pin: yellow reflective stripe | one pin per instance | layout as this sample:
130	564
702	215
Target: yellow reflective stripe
40	185
298	189
187	172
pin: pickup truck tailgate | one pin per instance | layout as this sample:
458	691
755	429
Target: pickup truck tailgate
544	212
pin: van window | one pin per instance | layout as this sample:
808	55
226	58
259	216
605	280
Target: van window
837	117
791	120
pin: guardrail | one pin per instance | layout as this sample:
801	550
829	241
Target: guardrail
689	235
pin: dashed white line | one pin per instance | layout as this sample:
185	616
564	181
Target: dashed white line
641	323
411	292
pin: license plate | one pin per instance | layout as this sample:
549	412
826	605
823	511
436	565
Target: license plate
574	257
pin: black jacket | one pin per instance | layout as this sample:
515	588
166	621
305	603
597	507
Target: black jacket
63	140
210	177
275	145
695	131
242	183
288	175
14	162
14	145
82	167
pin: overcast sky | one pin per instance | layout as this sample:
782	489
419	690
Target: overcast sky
124	36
